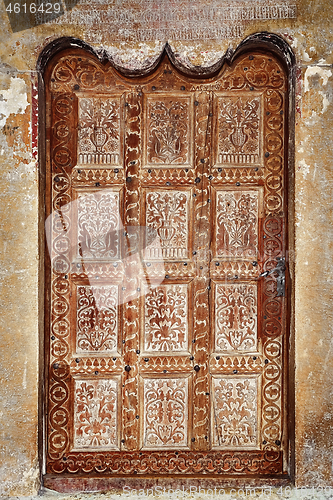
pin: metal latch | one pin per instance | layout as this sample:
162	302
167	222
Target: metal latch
281	279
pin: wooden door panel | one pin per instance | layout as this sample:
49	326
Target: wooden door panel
166	348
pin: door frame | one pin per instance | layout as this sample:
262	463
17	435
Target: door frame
258	41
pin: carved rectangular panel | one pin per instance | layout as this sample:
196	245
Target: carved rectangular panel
166	413
236	310
236	223
96	422
166	319
97	319
98	224
167	218
168	132
239	129
235	412
99	137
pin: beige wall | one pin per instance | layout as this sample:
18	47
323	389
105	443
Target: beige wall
310	36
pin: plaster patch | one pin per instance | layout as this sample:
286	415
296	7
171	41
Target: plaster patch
303	167
306	56
316	70
326	102
14	100
140	58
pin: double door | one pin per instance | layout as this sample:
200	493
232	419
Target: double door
166	216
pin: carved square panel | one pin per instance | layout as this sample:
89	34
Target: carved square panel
97	320
96	407
237	215
239	129
236	309
166	320
168	132
99	136
166	413
98	224
167	219
235	412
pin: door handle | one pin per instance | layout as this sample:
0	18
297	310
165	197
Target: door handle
281	279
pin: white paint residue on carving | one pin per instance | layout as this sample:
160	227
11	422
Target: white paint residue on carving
14	100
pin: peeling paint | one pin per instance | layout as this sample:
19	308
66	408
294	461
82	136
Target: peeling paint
324	74
14	100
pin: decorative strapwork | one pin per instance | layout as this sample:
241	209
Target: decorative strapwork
274	325
163	463
59	229
201	286
274	152
131	319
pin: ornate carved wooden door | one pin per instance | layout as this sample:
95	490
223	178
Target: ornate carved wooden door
166	202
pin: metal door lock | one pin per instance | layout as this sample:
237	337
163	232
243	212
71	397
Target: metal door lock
280	269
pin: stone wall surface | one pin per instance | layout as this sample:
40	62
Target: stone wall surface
306	26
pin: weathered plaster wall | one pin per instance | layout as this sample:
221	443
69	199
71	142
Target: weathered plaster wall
18	287
310	36
314	314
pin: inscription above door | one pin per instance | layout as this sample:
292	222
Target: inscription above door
165	348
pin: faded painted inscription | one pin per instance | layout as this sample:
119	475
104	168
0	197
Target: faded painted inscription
163	20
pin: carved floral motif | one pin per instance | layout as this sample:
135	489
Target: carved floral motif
166	414
239	130
166	324
98	222
236	317
95	414
237	223
235	412
97	318
168	131
99	131
167	214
